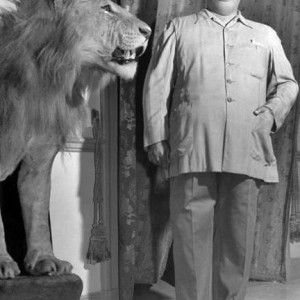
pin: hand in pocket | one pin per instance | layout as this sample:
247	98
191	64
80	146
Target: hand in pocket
262	147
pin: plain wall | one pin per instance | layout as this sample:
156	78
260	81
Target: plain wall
72	208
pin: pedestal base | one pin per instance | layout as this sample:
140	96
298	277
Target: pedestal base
64	287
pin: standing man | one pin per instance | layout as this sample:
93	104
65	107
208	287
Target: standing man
217	86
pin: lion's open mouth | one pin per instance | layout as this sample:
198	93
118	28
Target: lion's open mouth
122	57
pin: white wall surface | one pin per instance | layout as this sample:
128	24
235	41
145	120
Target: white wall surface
71	208
71	213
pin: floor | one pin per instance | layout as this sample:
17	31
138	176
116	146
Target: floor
256	291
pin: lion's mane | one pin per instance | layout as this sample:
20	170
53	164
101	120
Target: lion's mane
40	64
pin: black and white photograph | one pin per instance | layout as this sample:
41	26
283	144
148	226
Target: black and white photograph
149	150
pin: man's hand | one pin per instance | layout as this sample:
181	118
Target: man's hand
268	117
158	153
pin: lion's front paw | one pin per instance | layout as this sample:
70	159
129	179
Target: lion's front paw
8	268
48	265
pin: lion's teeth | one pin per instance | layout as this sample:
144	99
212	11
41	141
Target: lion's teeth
133	55
127	54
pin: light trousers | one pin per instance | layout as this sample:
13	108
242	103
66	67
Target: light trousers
213	218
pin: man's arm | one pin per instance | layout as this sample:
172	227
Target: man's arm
282	86
157	87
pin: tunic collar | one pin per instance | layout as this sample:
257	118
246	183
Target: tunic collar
238	18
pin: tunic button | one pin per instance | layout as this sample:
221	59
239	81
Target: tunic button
229	81
229	99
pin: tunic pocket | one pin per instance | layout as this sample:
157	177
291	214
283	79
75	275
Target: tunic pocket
181	129
262	149
251	58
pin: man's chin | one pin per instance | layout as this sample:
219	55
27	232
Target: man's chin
223	7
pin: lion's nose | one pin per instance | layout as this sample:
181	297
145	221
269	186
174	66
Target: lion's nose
145	31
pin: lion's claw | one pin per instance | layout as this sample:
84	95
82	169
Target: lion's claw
8	269
49	266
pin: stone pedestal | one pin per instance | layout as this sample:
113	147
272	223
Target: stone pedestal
64	287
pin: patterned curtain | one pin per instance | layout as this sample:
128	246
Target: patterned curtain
293	190
145	235
269	261
135	175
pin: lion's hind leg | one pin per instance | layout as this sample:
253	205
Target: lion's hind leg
34	189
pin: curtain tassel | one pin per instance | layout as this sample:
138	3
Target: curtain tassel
98	249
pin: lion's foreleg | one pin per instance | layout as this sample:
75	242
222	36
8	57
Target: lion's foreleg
34	185
8	267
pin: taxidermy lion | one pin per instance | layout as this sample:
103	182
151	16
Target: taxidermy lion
44	50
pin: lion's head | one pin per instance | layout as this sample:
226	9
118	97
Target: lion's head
112	38
108	36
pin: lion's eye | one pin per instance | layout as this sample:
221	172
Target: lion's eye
107	8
